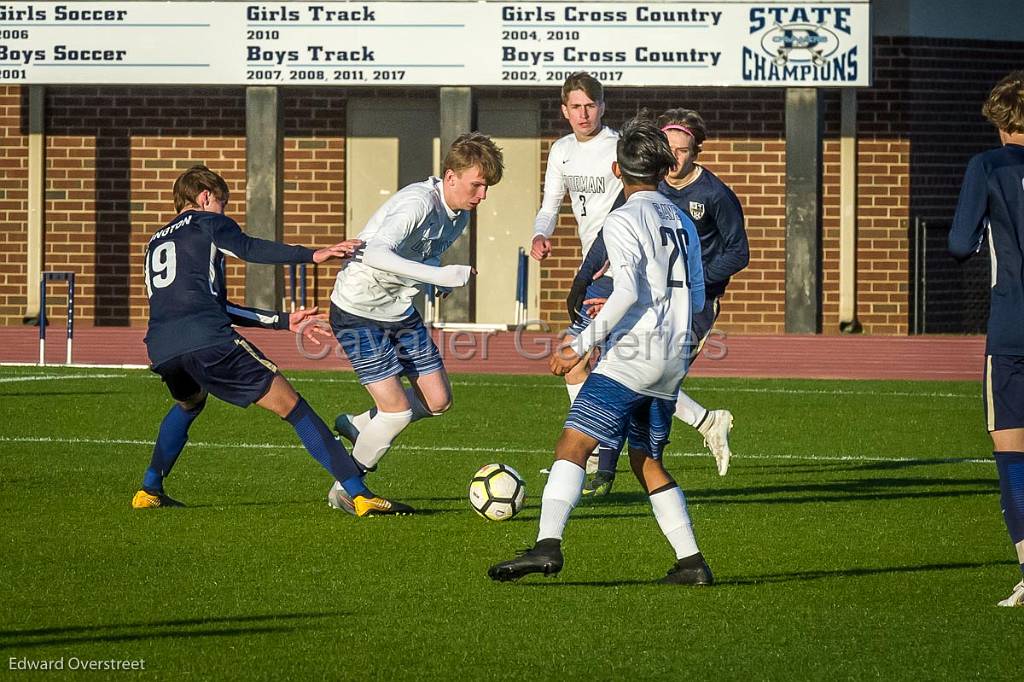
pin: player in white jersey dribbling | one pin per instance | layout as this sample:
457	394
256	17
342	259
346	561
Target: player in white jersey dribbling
372	311
581	164
644	332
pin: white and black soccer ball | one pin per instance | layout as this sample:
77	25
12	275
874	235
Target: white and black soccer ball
497	492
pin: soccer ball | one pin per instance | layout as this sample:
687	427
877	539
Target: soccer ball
497	492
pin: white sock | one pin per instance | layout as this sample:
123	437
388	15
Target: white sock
361	421
419	410
670	510
689	410
562	492
573	390
375	439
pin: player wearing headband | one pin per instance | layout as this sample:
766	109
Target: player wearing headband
716	211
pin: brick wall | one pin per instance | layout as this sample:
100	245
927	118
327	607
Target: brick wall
746	149
13	205
113	153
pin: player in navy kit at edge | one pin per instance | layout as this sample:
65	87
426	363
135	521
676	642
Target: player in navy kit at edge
195	350
654	255
716	212
992	202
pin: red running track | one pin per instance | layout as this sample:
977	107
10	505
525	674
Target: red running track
817	357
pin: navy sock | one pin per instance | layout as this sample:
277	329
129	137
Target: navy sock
607	459
323	446
1011	488
356	486
170	441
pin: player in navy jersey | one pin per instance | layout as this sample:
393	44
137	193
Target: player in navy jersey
992	203
194	348
716	211
654	256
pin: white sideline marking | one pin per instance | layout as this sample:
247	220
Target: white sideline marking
82	365
696	389
59	377
497	451
500	384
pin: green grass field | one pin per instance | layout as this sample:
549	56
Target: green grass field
857	535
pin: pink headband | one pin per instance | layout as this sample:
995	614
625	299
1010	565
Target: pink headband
675	126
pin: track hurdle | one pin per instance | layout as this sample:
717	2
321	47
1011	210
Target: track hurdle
522	282
69	278
301	270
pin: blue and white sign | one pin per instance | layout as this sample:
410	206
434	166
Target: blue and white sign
436	43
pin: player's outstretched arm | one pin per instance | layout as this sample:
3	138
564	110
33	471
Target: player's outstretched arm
383	256
229	238
624	255
242	316
345	249
311	324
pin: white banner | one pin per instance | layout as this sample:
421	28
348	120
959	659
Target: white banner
436	43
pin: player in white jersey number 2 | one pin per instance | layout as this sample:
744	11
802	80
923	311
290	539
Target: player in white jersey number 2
372	311
581	164
644	329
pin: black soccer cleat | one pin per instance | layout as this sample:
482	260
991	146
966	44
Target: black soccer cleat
689	571
544	557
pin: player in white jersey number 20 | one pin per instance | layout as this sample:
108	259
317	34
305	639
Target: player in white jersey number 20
644	332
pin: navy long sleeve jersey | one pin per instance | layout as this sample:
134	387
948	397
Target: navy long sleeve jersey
992	198
716	212
188	306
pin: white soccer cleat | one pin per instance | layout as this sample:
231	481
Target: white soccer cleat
1016	597
592	464
716	437
337	498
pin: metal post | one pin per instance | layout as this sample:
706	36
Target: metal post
42	319
924	276
71	315
916	275
291	286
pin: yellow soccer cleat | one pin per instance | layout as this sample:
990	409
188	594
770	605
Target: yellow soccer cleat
378	506
145	500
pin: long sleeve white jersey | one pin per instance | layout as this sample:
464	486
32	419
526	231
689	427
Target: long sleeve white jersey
654	252
404	241
584	170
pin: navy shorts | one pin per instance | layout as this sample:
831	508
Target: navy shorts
1004	392
599	288
611	413
379	350
235	371
703	323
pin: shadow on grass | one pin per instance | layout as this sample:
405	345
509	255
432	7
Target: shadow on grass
867	489
779	577
859	572
223	626
578	583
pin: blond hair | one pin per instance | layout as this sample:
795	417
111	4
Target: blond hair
475	149
1005	104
